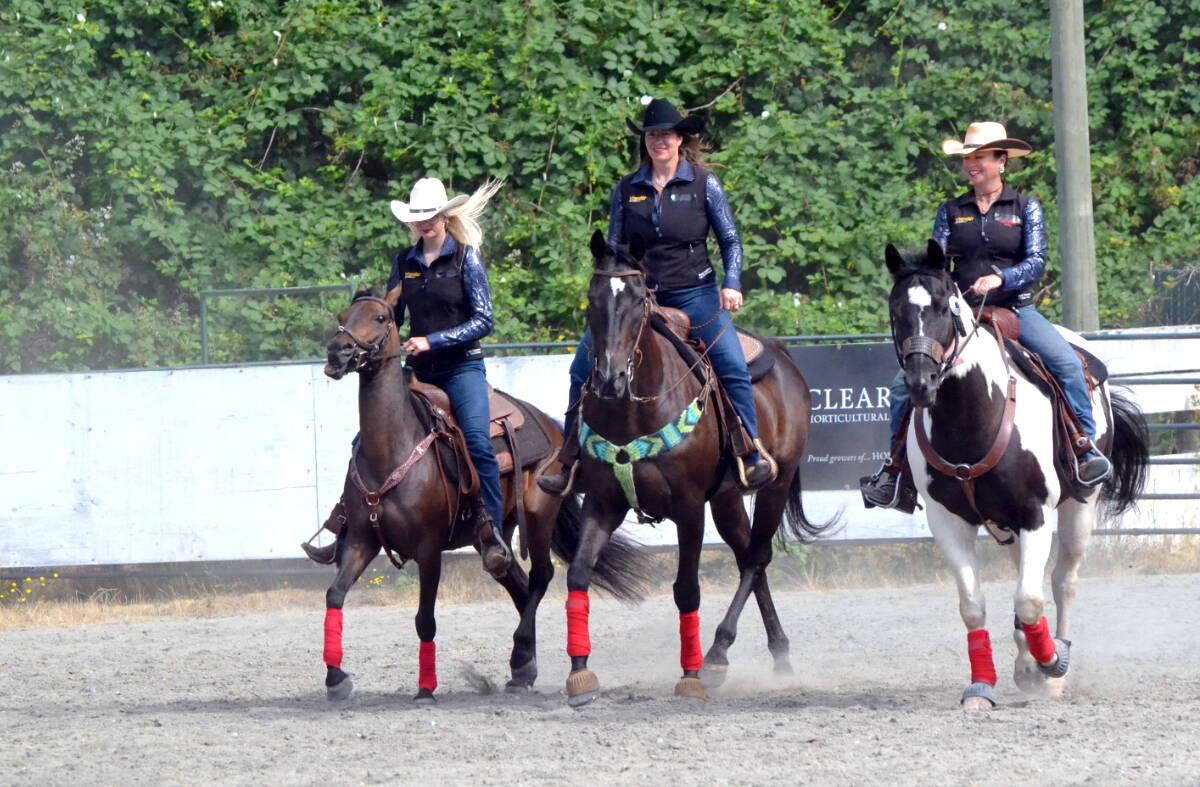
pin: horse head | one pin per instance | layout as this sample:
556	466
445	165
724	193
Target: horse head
927	313
619	303
365	329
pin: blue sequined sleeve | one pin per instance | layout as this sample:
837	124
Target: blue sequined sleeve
941	228
720	218
616	219
479	294
1030	269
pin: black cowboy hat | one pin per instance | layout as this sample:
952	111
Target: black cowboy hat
660	115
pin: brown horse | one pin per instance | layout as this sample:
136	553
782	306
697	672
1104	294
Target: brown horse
642	396
422	514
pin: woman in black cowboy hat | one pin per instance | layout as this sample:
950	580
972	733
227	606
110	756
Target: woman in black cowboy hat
670	204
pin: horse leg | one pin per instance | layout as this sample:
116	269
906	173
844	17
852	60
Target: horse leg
598	526
429	567
1075	522
956	540
541	510
1040	658
355	557
690	534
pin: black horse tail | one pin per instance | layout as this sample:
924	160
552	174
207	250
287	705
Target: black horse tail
796	522
624	568
1129	454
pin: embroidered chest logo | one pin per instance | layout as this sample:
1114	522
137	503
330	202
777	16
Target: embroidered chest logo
1009	219
412	274
963	219
637	198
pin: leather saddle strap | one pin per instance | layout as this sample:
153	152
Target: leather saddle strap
966	474
393	480
518	483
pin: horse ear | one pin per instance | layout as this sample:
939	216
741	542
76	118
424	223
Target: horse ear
393	296
937	257
599	246
893	259
637	248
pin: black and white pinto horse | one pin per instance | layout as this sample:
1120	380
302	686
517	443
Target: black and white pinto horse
960	383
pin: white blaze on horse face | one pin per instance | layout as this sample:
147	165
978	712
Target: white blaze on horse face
919	296
617	286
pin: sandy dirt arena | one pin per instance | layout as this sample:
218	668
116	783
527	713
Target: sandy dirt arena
874	699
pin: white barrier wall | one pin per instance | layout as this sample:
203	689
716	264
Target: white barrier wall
245	462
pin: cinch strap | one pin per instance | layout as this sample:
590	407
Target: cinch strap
427	679
1041	644
979	650
333	638
622	457
691	657
578	641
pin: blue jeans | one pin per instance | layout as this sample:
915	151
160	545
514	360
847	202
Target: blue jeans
700	304
466	385
1039	335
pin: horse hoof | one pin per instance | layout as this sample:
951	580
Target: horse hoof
713	675
582	687
1062	649
424	697
690	687
979	696
341	691
783	668
522	678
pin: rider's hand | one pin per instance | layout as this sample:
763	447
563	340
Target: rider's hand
731	300
416	345
985	284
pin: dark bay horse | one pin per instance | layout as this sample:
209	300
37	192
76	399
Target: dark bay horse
642	393
422	515
989	459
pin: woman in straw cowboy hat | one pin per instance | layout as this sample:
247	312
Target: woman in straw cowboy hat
671	203
445	290
997	239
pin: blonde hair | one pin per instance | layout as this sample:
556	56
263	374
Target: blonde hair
462	222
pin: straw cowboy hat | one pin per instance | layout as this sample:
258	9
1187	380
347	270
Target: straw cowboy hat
426	200
660	115
986	136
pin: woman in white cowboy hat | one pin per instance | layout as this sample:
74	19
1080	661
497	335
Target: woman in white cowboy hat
996	237
671	203
445	290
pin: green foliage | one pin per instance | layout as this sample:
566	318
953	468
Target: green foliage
151	152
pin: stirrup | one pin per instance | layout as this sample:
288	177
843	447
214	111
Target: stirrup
765	457
494	553
549	483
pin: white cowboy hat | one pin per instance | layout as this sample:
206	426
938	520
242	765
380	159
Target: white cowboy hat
986	136
426	200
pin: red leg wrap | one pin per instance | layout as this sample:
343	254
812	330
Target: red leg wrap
578	641
333	638
691	657
1041	644
979	650
428	661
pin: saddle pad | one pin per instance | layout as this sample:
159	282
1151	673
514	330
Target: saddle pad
533	444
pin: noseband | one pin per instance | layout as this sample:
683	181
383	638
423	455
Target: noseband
368	353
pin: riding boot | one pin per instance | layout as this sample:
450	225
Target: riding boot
1093	467
892	486
756	468
495	553
559	484
335	524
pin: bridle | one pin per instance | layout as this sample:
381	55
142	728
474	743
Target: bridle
932	348
635	357
368	352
